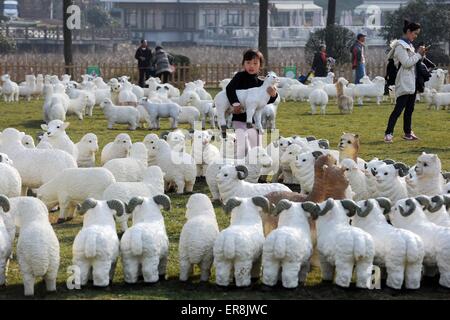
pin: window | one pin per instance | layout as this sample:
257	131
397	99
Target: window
131	18
170	19
189	19
280	19
234	18
253	19
149	19
210	18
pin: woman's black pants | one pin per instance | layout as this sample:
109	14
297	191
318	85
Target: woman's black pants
403	102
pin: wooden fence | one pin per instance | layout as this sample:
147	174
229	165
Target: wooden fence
210	73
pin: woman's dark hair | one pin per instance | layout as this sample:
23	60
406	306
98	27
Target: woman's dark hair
158	48
251	54
411	26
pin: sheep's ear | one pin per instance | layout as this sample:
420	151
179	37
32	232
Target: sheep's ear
384	203
262	202
316	154
44	127
401	168
310	138
356	136
66	125
163	200
231	204
133	203
87	204
1	158
351	207
4	203
242	172
117	206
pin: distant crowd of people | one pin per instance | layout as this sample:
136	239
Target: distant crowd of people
158	63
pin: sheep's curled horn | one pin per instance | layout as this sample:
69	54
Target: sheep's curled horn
439	202
116	205
369	207
424	201
262	202
412	206
385	203
282	205
324	144
446	175
242	172
317	154
163	135
4	203
312	208
446	201
328	206
352	207
87	204
389	161
402	168
231	204
162	200
133	203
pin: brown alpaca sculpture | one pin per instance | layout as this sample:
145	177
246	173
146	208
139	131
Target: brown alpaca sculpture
329	182
349	146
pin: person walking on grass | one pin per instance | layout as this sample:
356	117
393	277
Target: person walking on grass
358	57
319	65
163	62
144	57
405	59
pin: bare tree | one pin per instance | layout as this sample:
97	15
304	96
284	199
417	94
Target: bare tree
263	24
68	58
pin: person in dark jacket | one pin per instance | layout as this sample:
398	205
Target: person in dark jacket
358	57
246	138
144	57
319	65
163	62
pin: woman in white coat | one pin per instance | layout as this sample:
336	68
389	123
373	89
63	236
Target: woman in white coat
405	58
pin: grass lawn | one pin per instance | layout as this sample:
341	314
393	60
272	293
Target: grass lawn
293	118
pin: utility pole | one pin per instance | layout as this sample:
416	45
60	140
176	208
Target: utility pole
263	25
67	33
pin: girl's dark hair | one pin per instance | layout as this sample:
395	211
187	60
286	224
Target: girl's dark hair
251	54
158	48
411	26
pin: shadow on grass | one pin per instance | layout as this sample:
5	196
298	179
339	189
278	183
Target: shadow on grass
32	124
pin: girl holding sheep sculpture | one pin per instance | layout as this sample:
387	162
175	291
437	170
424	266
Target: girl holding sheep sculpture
252	62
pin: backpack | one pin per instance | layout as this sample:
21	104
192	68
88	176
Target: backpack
391	72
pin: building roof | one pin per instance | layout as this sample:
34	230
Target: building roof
383	5
296	5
